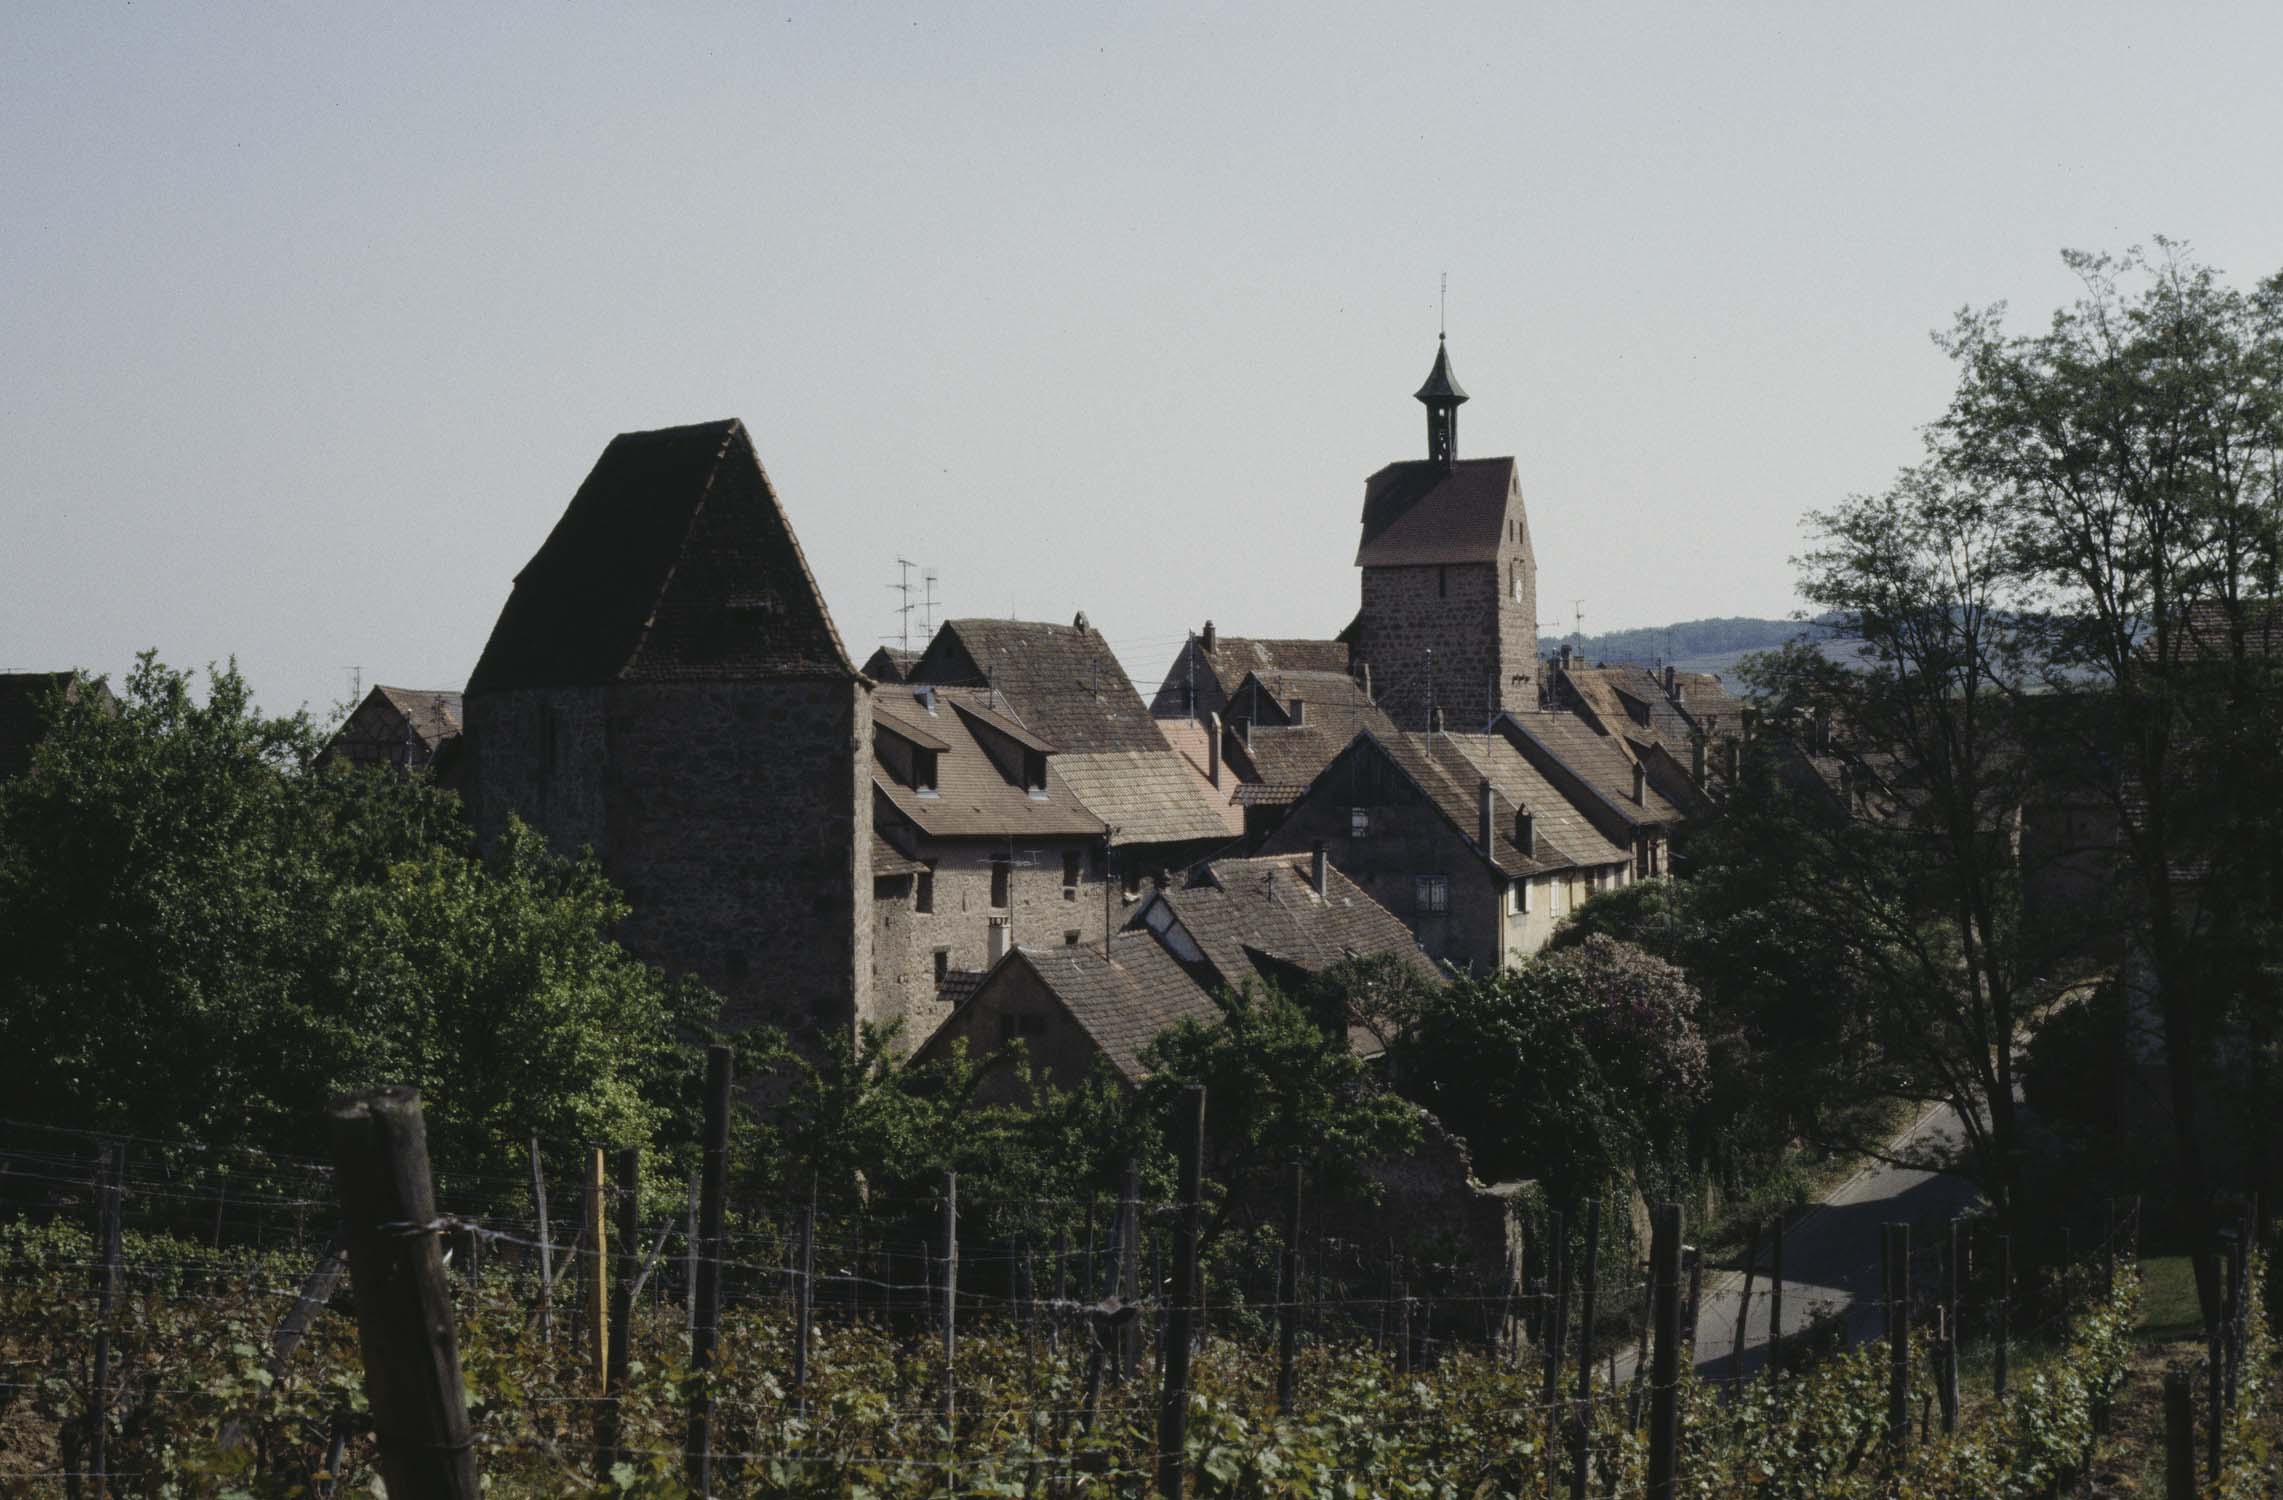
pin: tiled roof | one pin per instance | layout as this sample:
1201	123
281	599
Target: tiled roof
433	715
1421	512
1292	755
974	799
1220	670
1709	702
1451	781
887	859
1062	681
1236	909
1125	1000
673	561
1192	742
1147	796
1597	759
1564	835
890	664
959	985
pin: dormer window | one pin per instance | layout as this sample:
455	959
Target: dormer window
1034	772
923	771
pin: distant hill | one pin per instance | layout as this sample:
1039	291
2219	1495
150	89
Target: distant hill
1692	645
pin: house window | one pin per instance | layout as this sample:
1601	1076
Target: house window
1518	897
1359	823
1100	859
1431	895
923	890
1002	876
1132	884
1517	569
923	772
1069	874
1012	1026
1034	772
942	965
1069	937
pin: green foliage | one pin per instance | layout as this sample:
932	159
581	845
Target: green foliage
203	934
1583	1065
1280	1091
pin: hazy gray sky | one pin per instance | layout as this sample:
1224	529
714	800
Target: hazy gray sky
316	316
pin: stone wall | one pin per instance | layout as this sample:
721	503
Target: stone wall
735	816
1479	619
1042	911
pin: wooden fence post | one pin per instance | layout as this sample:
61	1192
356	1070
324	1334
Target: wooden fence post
628	1171
950	1305
705	1299
2179	1436
1557	1315
546	1247
110	1178
2004	1304
1776	1303
1743	1317
1695	1309
1955	1328
1587	1293
804	1307
1664	1356
598	1277
404	1309
1288	1309
1188	1128
1897	1257
1127	1237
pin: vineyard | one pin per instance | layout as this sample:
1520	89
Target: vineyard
215	1348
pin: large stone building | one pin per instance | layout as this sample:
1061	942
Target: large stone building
1448	633
666	688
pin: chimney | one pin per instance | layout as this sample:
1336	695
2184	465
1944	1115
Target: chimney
1640	784
1435	719
1672	684
1482	796
1244	733
1367	697
1696	759
1565	653
1317	865
1210	638
1299	711
1525	832
1213	748
927	699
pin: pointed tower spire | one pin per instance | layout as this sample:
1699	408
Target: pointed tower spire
1442	397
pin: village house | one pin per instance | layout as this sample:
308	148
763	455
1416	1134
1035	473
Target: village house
411	729
666	688
891	664
1210	666
1063	684
1228	923
1464	837
981	845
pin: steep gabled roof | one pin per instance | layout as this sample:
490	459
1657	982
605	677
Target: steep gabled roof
974	798
890	664
1063	681
1123	1001
1421	512
1238	911
674	561
1565	747
1220	670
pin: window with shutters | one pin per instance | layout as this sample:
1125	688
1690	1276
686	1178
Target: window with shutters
1431	895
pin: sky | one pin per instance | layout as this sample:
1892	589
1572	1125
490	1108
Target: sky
315	316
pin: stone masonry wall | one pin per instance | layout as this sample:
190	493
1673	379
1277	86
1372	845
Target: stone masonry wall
1041	915
735	816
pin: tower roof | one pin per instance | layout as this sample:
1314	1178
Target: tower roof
1441	389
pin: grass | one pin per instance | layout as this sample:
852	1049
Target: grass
2169	1312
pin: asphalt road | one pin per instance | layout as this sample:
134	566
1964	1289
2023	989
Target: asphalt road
1831	1251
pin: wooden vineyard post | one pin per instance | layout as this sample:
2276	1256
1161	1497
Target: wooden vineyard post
1898	1336
1664	1350
1288	1305
1955	1328
1776	1303
598	1281
705	1296
1743	1317
950	1303
690	1263
1127	1246
546	1247
404	1309
1695	1310
627	1168
109	1182
2179	1436
804	1307
2004	1305
1557	1315
1587	1293
1188	1128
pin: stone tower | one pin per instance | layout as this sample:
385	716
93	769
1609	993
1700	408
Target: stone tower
665	688
1449	628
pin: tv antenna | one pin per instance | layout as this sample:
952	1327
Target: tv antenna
903	588
1577	622
927	603
1443	309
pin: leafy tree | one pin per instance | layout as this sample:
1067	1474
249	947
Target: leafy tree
1582	1065
203	935
2135	449
1280	1091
